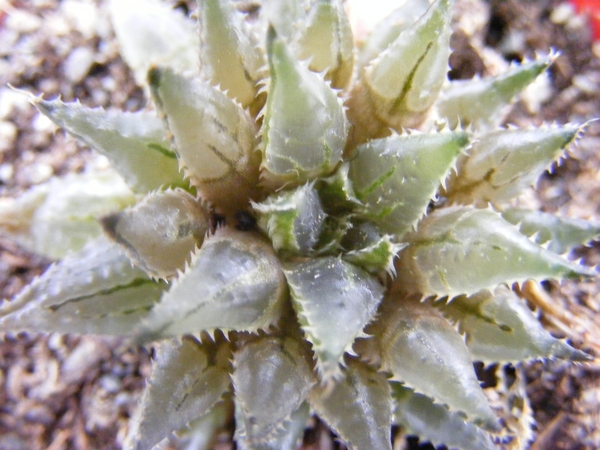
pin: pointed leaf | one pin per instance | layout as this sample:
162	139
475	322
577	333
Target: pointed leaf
188	379
358	407
160	233
337	193
503	163
463	250
286	16
419	415
135	143
377	256
304	128
562	233
234	282
420	348
61	215
396	177
334	300
272	377
501	328
93	291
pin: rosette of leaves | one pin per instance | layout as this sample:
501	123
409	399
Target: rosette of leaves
283	217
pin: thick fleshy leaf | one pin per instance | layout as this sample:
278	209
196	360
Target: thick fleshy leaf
503	163
561	233
93	291
214	136
188	379
230	56
358	407
432	422
462	250
272	377
337	193
286	16
61	215
501	328
419	347
150	33
377	256
327	42
159	233
402	83
234	282
135	143
334	300
304	128
396	177
484	101
293	219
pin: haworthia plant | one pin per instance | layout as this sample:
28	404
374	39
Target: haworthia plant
279	242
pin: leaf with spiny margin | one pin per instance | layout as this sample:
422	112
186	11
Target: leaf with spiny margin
462	250
358	406
292	219
562	233
160	232
93	291
377	256
396	177
135	143
499	327
482	102
334	300
399	86
234	282
61	215
418	414
326	42
337	193
151	32
188	379
230	56
304	128
419	347
502	164
272	377
215	139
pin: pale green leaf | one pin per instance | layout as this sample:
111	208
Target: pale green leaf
334	300
501	328
377	256
286	16
358	407
462	250
93	291
234	282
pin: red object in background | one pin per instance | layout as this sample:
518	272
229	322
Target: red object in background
590	8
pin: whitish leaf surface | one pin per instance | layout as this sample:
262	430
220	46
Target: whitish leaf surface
61	215
419	415
463	250
503	163
93	291
482	101
358	407
135	143
159	233
396	177
327	42
334	300
200	434
150	33
214	136
230	56
187	379
419	347
501	328
561	233
234	282
286	16
293	219
304	128
272	377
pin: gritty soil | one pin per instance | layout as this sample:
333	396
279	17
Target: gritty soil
67	392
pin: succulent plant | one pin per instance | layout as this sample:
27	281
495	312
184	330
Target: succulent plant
299	231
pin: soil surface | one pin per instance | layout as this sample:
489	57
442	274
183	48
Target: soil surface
69	392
